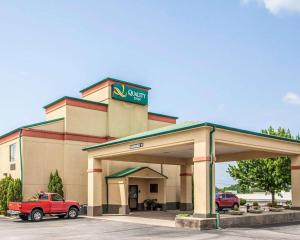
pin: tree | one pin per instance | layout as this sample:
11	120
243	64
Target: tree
4	183
14	191
10	190
55	184
271	175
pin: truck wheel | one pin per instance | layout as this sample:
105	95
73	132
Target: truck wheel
24	217
36	215
235	206
73	213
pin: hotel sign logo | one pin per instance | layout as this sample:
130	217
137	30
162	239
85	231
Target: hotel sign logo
129	94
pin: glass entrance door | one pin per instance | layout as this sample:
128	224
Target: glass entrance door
133	197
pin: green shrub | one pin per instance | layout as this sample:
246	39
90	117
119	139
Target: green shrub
183	215
242	201
55	184
274	205
150	204
34	198
10	191
255	204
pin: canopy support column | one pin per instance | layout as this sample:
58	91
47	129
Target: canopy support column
295	178
95	179
186	194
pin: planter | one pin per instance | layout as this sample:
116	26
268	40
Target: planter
257	211
232	212
272	209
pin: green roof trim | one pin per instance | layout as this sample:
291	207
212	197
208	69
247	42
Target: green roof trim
73	98
163	115
183	127
116	80
131	170
32	125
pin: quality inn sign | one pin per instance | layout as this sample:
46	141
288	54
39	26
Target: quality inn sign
129	94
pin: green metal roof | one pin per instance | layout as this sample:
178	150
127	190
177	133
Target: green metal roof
163	115
129	171
32	125
116	80
182	127
73	98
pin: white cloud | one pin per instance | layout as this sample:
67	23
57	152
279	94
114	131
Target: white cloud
278	6
292	98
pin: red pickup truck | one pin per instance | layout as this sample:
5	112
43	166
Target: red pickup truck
47	203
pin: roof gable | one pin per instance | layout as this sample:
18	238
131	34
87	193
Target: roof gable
145	172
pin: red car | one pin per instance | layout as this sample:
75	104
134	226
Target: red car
226	200
48	203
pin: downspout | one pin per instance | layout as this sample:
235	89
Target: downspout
21	156
211	163
106	195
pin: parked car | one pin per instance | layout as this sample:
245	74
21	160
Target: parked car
46	204
226	200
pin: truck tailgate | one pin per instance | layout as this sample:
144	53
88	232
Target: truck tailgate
15	206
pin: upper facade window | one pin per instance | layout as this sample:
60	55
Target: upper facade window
13	152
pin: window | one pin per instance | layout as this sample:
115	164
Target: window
154	188
13	152
229	195
57	198
12	167
43	197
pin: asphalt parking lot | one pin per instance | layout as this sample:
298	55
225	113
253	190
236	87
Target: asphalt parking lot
84	228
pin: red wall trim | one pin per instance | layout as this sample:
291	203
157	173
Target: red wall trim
42	134
186	174
88	105
85	138
76	103
295	167
97	87
99	170
161	118
201	159
9	137
55	106
63	136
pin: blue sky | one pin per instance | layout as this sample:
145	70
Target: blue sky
232	62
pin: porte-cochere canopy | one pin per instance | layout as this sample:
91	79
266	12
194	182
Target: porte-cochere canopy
196	147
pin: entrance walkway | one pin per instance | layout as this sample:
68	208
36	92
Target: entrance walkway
155	218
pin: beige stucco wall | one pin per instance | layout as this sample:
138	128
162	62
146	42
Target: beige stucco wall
54	126
57	113
75	170
40	158
4	160
144	189
152	124
101	95
43	156
126	118
86	121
